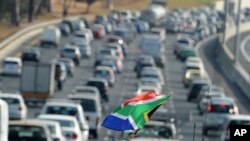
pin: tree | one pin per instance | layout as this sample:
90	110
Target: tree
89	3
15	13
66	5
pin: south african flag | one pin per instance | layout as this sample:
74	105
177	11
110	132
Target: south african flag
135	112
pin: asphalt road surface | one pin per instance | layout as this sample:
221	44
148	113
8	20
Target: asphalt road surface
125	86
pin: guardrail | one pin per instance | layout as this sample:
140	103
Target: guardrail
14	41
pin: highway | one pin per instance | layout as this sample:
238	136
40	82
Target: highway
125	86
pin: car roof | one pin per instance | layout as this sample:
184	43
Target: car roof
27	122
148	87
10	95
55	116
103	68
81	96
12	59
221	100
238	117
61	102
193	71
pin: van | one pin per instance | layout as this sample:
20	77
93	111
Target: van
4	120
12	66
51	36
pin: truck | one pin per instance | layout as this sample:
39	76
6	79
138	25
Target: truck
37	81
4	120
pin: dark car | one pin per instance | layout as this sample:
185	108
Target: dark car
32	54
101	85
196	88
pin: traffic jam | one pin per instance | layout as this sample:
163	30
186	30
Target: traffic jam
81	70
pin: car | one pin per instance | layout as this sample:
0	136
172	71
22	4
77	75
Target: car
101	54
144	89
62	69
117	48
150	82
28	130
51	36
186	53
196	87
86	90
119	40
32	54
83	36
86	22
210	89
69	23
69	64
4	120
218	108
92	109
71	52
65	29
70	128
149	62
124	32
232	120
89	33
77	25
106	73
159	32
102	85
100	19
204	99
84	47
16	104
98	31
141	26
116	60
190	75
194	65
182	42
55	130
12	66
150	69
154	74
70	108
142	58
190	60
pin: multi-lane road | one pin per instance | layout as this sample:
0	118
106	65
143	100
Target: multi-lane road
125	86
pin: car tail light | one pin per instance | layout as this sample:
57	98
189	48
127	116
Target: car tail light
74	136
209	108
235	110
20	108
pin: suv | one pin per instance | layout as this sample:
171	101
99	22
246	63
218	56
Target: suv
217	109
233	120
93	111
70	108
196	88
101	85
17	107
72	52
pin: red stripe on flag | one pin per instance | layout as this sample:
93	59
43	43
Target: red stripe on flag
146	96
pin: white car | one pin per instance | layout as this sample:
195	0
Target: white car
93	111
17	107
12	66
82	35
4	120
70	108
116	47
70	127
55	130
51	36
144	89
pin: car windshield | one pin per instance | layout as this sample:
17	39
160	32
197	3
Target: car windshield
101	72
10	63
11	100
183	42
26	133
61	110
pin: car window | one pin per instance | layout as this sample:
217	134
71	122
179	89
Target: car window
97	84
87	104
10	63
62	110
101	72
27	133
69	50
11	100
239	122
64	123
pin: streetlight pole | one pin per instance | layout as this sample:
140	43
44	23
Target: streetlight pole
225	19
238	38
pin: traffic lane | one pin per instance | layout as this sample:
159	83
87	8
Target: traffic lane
208	56
231	42
184	111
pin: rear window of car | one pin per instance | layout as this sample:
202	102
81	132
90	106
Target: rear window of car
105	52
62	110
21	132
183	41
221	108
101	72
11	100
69	50
87	104
97	84
10	63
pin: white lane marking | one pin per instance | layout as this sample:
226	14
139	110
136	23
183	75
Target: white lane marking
243	48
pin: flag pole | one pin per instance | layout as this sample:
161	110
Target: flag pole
131	136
